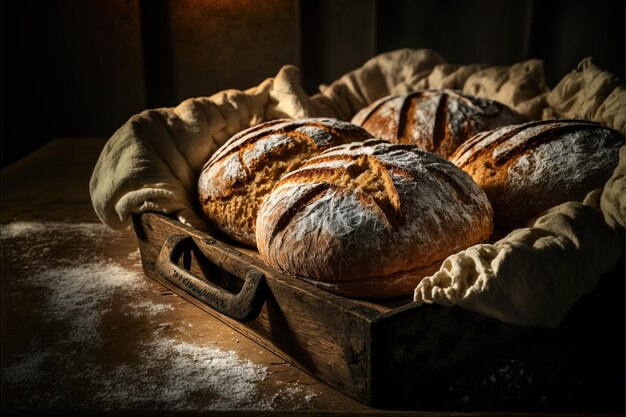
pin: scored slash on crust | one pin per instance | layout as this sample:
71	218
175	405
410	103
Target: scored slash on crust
240	138
237	178
440	132
247	138
484	143
243	141
309	196
276	151
297	146
446	129
383	200
343	179
549	134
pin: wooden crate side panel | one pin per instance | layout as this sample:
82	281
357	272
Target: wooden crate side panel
327	338
415	361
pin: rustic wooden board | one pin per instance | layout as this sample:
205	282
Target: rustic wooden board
378	353
324	334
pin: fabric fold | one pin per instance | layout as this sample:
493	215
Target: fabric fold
589	93
153	160
531	277
613	197
534	275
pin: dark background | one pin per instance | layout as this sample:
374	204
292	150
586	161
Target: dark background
81	68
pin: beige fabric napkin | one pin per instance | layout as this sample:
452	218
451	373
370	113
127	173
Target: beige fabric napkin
536	274
521	86
589	93
151	163
531	277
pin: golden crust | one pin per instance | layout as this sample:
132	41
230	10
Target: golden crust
355	219
233	183
526	169
437	121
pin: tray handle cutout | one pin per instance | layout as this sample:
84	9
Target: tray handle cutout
243	306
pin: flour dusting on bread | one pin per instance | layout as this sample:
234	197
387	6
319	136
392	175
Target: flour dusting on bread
370	209
234	182
528	168
437	121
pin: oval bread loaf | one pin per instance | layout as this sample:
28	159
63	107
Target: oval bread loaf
237	177
360	217
437	121
528	168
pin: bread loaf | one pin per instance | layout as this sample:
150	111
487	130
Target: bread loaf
237	177
371	219
435	120
528	168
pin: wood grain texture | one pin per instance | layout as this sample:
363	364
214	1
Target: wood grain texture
574	370
375	354
49	191
323	333
243	305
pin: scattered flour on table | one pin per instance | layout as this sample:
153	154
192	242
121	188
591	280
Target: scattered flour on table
23	228
78	291
18	229
293	393
149	308
174	371
80	295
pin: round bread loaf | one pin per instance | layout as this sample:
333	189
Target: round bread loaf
531	167
237	177
371	219
437	121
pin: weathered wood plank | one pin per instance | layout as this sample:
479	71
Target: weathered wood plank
395	354
373	352
326	335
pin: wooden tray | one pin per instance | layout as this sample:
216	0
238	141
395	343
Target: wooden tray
375	352
378	353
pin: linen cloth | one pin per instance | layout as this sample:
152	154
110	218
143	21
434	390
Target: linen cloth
531	277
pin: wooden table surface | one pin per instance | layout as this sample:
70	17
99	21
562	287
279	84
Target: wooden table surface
85	331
